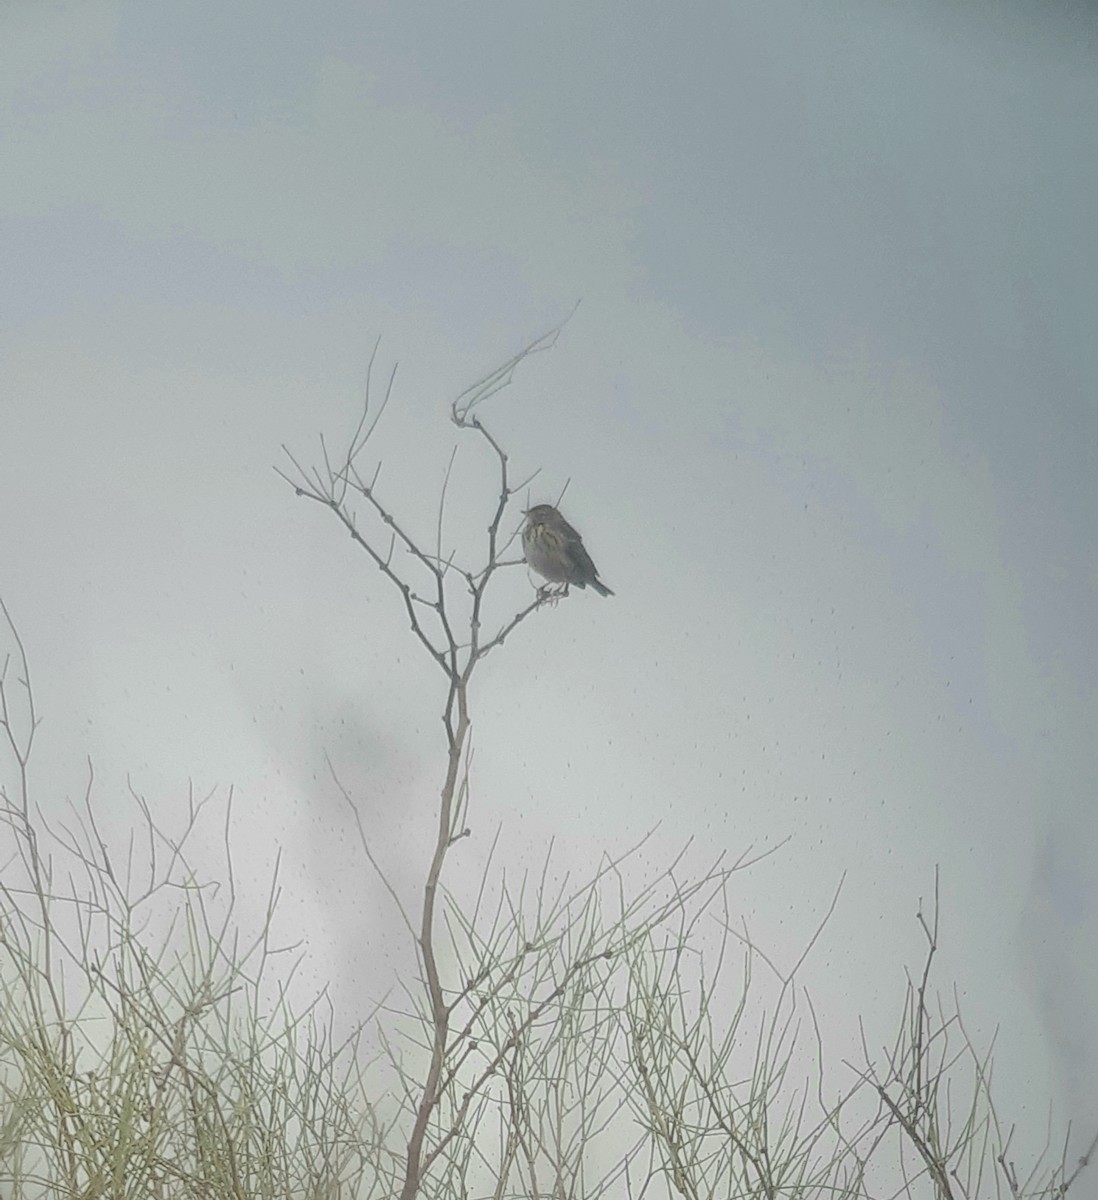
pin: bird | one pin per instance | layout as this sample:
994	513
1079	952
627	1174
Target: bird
556	551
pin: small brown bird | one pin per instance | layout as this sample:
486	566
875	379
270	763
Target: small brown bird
555	550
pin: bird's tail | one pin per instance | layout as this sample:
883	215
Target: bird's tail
601	588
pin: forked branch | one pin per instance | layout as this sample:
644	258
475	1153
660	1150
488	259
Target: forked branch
449	629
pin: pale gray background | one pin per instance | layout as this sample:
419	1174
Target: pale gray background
827	407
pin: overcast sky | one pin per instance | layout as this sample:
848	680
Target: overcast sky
827	408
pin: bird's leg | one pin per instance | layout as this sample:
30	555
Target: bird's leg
550	593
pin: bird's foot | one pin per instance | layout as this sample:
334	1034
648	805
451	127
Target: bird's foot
550	593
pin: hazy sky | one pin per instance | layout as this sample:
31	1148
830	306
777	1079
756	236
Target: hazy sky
828	409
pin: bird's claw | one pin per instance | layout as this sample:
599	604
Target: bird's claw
550	593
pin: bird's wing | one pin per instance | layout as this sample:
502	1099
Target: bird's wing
580	559
583	560
577	553
570	535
